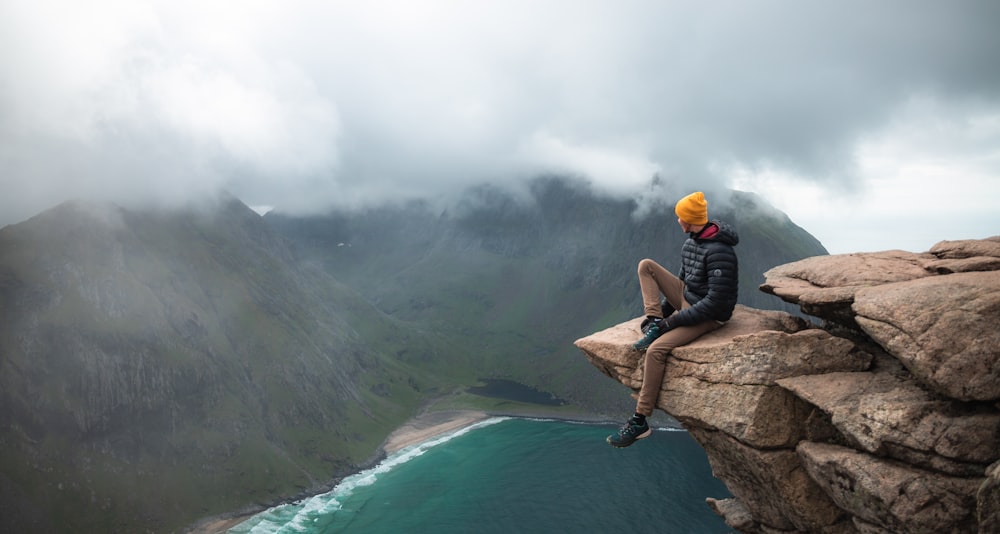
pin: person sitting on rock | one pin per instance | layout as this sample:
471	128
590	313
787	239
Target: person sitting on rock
697	302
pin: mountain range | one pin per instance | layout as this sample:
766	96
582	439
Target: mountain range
161	366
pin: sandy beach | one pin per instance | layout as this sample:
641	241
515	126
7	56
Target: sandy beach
220	526
429	425
421	428
425	426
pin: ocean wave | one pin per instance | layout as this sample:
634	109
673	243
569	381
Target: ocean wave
303	516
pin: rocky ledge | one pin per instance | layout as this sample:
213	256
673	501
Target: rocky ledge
881	416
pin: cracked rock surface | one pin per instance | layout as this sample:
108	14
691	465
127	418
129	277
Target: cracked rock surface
882	415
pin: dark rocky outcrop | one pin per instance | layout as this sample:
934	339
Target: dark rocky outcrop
883	416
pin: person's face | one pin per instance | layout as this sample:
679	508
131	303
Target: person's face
684	226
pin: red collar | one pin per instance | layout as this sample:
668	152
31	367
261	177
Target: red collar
709	231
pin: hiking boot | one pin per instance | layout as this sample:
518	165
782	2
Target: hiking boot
654	329
630	432
644	327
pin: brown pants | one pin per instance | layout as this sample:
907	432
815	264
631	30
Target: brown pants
655	281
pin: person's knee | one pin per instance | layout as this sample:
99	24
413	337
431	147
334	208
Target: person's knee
658	354
645	264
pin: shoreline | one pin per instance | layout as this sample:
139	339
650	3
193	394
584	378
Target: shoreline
422	427
429	425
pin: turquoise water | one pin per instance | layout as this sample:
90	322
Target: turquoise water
509	475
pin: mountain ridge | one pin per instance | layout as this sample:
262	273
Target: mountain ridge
189	347
556	261
162	366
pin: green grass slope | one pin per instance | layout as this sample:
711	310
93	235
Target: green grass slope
158	368
517	280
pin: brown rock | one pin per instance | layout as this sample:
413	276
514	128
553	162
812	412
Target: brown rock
886	426
852	270
733	513
988	501
864	527
892	495
944	329
888	416
736	365
769	417
968	248
610	350
824	286
771	483
762	357
832	303
964	265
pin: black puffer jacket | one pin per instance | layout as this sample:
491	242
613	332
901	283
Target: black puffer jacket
710	272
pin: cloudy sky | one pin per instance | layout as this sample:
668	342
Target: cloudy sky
874	125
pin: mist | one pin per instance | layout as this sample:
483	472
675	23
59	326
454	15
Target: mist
849	116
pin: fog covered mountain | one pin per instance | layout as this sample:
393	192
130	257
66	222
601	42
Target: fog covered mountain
156	367
518	278
159	367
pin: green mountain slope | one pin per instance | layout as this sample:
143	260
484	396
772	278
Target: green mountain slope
518	280
156	368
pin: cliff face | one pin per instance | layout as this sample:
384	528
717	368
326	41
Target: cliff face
884	420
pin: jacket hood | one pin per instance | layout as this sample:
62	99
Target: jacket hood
726	234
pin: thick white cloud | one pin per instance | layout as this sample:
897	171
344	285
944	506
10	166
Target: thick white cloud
848	115
930	174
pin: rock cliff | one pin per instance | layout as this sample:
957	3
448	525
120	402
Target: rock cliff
881	417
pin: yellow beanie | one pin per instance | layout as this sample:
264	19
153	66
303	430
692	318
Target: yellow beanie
693	209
